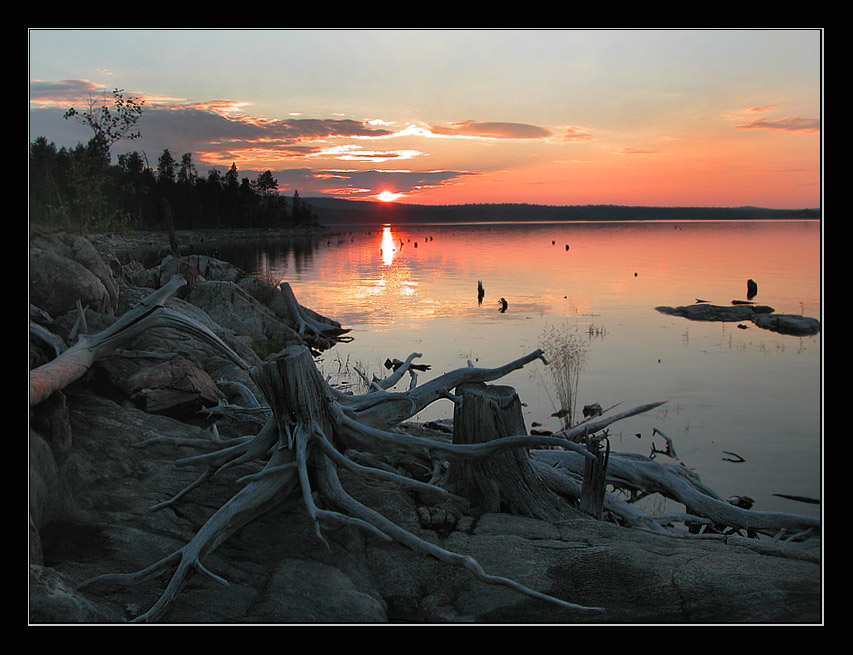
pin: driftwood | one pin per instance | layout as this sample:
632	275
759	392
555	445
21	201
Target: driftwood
637	473
306	439
73	363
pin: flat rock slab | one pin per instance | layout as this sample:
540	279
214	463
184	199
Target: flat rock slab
761	315
707	312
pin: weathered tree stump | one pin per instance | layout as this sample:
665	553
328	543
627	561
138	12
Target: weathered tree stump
595	478
506	481
305	439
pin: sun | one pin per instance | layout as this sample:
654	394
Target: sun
388	196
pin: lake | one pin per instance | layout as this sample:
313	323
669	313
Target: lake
732	393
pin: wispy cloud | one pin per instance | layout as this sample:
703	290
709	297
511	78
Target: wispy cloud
491	130
632	150
352	152
792	124
62	92
359	184
575	133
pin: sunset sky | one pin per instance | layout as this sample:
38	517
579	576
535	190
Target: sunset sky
441	116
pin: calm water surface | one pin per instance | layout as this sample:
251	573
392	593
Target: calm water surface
404	289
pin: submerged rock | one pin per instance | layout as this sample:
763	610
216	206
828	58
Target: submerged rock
761	315
705	312
788	324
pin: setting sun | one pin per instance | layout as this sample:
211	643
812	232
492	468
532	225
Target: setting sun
388	196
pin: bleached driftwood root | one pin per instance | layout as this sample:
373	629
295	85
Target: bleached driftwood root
563	471
73	363
304	441
307	324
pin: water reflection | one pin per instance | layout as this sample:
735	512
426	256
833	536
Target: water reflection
748	391
388	248
269	258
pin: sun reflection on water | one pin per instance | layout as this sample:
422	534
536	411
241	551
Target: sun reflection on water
388	247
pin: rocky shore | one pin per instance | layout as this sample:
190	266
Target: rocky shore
104	462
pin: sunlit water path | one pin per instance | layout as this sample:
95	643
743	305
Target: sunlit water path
750	392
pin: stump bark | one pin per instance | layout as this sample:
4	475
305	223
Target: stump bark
505	482
595	478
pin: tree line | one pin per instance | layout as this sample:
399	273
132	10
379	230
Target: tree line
81	188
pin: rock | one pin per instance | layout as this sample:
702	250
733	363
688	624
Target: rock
707	312
85	253
57	283
761	315
278	572
592	410
751	289
176	387
53	599
230	306
788	324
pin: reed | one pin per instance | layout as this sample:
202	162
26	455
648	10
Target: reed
566	350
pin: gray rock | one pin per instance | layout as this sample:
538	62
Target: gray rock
761	315
57	283
707	312
788	324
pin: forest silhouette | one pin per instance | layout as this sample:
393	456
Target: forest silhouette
81	189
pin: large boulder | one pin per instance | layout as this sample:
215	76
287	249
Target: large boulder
66	268
57	283
229	305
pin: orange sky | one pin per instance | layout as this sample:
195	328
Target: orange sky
634	117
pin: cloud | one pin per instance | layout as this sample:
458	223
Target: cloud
363	184
629	150
491	130
351	152
63	92
220	132
804	125
211	122
575	133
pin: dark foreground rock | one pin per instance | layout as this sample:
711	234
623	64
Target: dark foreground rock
279	572
101	458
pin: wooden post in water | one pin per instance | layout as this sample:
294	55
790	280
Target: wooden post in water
505	481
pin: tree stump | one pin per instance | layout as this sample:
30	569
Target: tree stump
506	481
594	478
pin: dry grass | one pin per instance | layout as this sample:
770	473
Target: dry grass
566	351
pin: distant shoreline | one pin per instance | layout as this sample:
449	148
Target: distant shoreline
334	211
